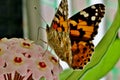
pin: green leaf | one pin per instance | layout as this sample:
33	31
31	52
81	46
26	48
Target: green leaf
104	52
106	64
65	74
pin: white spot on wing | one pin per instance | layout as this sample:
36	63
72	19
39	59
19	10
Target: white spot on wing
93	7
96	10
86	15
97	23
60	9
93	18
82	12
102	10
65	13
56	19
96	14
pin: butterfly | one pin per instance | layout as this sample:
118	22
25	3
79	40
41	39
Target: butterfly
71	38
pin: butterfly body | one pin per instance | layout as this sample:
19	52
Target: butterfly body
72	38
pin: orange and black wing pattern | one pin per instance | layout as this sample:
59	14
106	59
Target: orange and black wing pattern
83	28
60	17
58	33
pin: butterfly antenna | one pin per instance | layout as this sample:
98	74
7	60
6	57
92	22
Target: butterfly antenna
40	15
42	19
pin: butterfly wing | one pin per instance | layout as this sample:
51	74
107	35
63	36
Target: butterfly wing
83	28
58	33
61	15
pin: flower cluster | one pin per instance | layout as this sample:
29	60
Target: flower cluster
21	58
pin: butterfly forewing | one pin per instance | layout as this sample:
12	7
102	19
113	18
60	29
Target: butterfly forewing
86	22
58	33
61	15
83	28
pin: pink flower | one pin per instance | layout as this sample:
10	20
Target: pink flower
16	62
28	60
40	68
